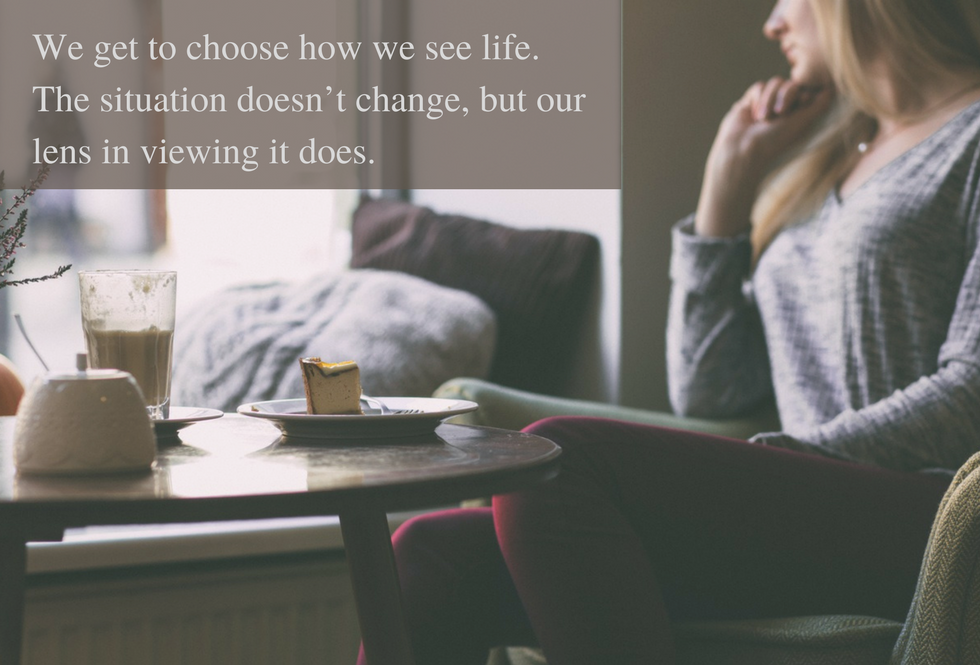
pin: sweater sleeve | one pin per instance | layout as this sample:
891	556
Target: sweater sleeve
934	422
717	362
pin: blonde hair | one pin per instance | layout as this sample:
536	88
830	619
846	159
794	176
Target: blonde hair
923	37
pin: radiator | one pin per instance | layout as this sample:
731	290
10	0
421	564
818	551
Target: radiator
235	614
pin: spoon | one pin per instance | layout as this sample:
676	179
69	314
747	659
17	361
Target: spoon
20	324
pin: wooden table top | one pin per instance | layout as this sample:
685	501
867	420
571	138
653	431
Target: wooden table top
241	468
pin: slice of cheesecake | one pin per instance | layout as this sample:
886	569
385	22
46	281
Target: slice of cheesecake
331	388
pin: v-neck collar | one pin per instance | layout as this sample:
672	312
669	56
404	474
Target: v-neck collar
899	159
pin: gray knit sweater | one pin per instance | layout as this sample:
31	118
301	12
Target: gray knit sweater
863	321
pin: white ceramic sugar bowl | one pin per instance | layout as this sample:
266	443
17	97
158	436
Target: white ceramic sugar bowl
90	421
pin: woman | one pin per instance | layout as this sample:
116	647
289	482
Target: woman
855	302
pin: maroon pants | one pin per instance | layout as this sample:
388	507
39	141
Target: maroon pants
645	526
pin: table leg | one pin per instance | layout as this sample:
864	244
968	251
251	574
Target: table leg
367	542
13	571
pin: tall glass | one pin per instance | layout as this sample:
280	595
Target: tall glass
128	319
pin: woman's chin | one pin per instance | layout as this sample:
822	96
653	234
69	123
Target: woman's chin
807	77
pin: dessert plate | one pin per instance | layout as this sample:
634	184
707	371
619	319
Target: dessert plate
180	417
290	416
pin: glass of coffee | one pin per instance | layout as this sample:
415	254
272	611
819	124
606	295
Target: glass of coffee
128	320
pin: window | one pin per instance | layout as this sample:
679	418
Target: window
213	238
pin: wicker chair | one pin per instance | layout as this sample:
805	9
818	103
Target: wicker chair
943	625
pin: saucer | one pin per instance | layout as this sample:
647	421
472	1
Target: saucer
180	417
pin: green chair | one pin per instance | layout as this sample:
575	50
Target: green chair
943	625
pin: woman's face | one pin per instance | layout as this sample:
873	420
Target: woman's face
794	26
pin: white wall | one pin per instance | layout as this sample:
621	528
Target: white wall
684	63
592	211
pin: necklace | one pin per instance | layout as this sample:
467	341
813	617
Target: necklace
864	145
877	137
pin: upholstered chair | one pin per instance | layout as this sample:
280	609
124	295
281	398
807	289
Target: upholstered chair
943	625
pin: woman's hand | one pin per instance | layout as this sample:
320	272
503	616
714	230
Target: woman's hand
769	119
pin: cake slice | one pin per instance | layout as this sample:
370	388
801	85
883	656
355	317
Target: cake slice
331	388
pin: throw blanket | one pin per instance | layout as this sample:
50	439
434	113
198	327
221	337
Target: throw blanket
408	336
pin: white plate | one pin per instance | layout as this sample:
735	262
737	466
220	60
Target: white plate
182	416
290	416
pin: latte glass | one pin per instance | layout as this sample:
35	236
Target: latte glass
128	319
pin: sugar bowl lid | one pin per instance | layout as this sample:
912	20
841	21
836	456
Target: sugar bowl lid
83	372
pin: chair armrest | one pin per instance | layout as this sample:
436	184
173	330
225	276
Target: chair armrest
508	408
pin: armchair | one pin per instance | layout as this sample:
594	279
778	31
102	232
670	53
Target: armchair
943	624
509	408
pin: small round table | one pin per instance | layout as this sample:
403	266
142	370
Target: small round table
239	468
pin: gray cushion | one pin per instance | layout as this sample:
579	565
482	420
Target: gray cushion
408	336
821	640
